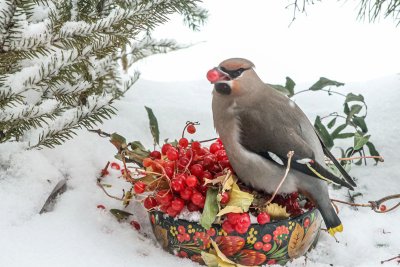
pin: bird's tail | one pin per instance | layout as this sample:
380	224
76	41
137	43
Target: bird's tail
331	219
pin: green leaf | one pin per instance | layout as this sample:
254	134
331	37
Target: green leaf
332	123
137	144
210	208
323	132
352	97
355	109
323	82
118	140
360	140
346	109
338	130
280	88
344	135
120	214
372	150
153	125
290	84
360	122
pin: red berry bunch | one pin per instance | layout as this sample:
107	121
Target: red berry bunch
238	222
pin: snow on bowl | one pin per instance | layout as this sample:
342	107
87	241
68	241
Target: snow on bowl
273	243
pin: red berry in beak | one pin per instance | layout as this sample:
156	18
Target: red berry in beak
213	75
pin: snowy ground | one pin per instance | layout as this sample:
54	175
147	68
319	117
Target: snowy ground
76	233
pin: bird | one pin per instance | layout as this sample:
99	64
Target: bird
259	125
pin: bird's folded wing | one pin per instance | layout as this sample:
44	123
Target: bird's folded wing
303	159
328	153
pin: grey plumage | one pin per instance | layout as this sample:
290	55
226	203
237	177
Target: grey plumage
255	123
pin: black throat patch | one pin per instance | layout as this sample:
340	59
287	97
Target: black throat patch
223	88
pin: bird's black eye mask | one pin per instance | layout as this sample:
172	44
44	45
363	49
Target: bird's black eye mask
233	74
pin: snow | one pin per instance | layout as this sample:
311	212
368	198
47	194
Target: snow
76	233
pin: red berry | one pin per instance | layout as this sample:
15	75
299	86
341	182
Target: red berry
104	172
177	204
196	145
149	202
147	162
191	181
382	207
135	224
192	207
209	160
183	142
155	154
198	199
241	229
101	207
213	75
215	147
233	218
191	129
186	193
164	197
169	171
207	175
172	154
172	212
164	208
182	163
221	155
244	220
139	187
177	184
228	227
169	164
115	166
197	170
224	198
258	245
165	148
263	218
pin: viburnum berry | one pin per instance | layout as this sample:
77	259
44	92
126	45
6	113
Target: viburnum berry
155	154
169	171
191	129
115	166
186	193
382	207
177	184
139	187
215	147
263	218
244	220
104	172
177	204
101	207
150	202
164	197
191	181
172	212
183	162
207	175
169	164
228	227
224	198
233	218
164	208
196	145
135	224
183	142
147	162
209	160
221	155
172	154
197	170
241	229
198	199
192	207
165	148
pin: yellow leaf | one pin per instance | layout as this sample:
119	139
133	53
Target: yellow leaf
239	198
228	183
229	209
213	260
276	212
295	242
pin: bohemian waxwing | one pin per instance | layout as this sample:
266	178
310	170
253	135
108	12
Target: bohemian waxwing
259	126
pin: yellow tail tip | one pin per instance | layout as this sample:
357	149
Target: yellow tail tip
333	231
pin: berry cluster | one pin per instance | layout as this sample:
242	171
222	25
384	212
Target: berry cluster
238	222
185	165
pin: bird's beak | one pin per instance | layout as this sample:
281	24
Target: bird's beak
216	75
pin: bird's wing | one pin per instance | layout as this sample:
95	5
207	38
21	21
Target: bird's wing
328	153
273	134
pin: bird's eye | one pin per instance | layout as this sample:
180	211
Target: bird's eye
233	73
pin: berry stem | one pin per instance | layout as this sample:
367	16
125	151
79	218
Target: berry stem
187	124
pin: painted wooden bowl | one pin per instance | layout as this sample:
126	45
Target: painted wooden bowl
272	243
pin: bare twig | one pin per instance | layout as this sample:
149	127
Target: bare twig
100	133
289	155
380	158
391	259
